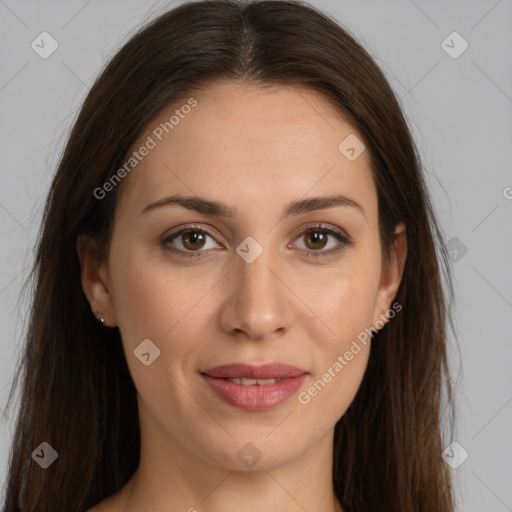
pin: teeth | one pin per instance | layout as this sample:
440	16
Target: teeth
251	382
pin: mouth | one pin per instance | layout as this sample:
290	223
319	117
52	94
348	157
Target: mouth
247	381
276	371
254	388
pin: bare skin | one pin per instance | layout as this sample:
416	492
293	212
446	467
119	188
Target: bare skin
256	150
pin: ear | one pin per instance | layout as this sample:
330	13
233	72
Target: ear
95	279
391	274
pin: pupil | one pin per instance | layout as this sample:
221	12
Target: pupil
193	237
317	237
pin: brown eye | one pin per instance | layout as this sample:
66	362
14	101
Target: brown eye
190	241
319	237
193	240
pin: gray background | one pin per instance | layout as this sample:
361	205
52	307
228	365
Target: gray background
460	111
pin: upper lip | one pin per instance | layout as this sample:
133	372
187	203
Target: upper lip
265	371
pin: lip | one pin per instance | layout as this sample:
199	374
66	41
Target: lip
255	397
265	371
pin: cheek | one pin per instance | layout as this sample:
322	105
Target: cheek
345	307
343	300
164	307
329	393
344	351
168	308
352	308
152	298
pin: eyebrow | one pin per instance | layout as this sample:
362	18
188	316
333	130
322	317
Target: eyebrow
217	209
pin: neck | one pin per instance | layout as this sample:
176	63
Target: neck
176	478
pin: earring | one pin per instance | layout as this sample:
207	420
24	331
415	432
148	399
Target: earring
101	319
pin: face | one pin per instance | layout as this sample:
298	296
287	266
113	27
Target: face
274	282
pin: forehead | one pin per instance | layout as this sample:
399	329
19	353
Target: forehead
249	142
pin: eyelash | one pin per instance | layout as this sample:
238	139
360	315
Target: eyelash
318	228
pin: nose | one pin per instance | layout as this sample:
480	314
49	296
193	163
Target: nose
258	303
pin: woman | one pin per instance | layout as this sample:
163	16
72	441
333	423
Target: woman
238	297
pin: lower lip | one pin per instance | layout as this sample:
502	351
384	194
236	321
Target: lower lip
255	398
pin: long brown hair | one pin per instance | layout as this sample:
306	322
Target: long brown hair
77	393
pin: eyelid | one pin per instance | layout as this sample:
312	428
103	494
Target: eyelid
189	227
322	226
183	229
342	236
